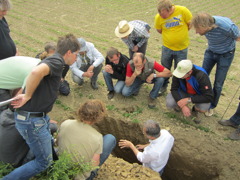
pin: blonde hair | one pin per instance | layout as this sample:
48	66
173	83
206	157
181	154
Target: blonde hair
92	111
164	4
203	20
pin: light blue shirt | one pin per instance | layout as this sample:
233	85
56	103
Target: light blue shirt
222	39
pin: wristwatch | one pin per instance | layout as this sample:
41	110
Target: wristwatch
154	75
189	100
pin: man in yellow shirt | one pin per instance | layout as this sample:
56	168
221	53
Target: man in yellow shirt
172	21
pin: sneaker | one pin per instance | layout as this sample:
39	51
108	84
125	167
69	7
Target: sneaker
195	118
162	90
209	113
235	135
151	103
227	123
94	84
110	94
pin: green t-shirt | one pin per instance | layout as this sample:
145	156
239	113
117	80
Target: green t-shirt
14	71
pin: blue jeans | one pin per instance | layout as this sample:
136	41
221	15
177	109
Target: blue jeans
136	85
168	56
37	135
108	80
109	143
236	117
223	62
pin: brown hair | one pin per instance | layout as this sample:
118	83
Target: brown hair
164	4
5	5
92	111
112	51
203	20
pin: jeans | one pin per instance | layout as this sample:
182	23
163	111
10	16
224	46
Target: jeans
236	117
36	132
109	143
108	80
94	78
168	56
136	85
223	62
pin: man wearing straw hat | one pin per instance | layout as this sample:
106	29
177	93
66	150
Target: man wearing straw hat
134	34
190	84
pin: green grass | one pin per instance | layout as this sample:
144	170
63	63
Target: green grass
63	106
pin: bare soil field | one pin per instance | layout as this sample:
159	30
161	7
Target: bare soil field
200	152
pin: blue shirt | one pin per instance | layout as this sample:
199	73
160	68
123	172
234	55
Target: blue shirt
222	39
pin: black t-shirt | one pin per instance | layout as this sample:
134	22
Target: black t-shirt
46	93
7	46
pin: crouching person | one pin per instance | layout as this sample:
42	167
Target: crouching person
80	139
156	153
190	84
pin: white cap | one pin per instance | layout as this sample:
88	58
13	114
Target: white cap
183	67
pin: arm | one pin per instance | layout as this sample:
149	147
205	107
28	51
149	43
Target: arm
130	75
33	81
161	71
96	159
128	144
75	69
159	31
96	55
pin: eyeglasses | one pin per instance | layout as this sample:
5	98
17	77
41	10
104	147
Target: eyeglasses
76	53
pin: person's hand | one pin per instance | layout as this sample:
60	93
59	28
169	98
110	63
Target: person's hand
150	78
182	102
186	111
90	69
137	71
19	100
108	69
135	49
124	144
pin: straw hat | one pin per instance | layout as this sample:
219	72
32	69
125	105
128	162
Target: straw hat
183	67
123	29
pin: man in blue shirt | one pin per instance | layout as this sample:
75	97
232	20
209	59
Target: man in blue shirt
222	35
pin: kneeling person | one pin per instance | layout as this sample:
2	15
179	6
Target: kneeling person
115	68
80	139
143	70
190	84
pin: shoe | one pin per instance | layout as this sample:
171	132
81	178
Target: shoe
227	123
151	103
94	84
235	135
195	118
110	94
135	94
162	90
209	113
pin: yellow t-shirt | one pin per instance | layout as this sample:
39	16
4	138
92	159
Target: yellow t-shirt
175	28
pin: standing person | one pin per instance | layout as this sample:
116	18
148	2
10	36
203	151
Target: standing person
234	122
172	21
190	84
134	34
40	93
143	70
7	46
222	35
156	154
88	64
84	142
115	68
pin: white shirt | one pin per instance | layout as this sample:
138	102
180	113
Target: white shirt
96	58
156	154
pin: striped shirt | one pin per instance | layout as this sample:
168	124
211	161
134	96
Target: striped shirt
222	39
140	34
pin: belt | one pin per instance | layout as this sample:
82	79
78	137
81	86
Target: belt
30	114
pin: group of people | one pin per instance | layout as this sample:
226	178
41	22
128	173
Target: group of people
35	87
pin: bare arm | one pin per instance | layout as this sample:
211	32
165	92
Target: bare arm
159	31
125	143
164	73
33	81
96	159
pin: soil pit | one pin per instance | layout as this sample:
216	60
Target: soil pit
184	163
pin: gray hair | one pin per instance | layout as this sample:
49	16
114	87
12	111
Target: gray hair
5	5
152	128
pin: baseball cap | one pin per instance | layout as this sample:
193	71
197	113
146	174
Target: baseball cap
183	67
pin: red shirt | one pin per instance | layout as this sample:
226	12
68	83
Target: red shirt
190	89
158	67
